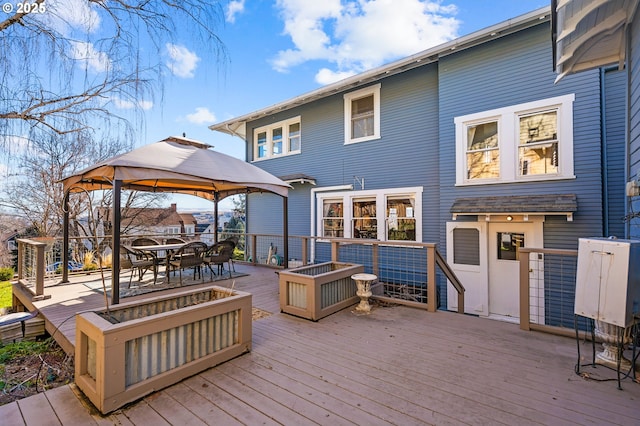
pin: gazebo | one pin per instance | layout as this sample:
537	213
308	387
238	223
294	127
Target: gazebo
175	165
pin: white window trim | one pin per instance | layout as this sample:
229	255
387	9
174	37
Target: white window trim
380	196
285	139
348	98
508	137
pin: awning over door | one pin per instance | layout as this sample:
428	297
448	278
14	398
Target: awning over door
554	204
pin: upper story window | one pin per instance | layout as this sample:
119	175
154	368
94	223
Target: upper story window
278	139
531	141
362	115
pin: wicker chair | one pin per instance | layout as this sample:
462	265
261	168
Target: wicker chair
219	254
190	255
133	259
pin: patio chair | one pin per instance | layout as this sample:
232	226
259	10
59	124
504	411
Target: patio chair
191	255
233	242
133	259
219	254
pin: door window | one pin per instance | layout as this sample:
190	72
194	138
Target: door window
509	244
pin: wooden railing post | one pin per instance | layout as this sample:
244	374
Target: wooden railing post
305	250
524	289
376	264
432	305
254	248
21	249
335	251
40	268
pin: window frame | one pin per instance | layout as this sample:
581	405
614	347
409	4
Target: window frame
283	141
348	102
381	196
509	140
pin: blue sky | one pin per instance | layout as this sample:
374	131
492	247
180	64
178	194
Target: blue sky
281	49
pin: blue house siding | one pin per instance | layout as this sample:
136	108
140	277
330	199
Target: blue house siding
417	148
405	155
633	64
615	83
513	70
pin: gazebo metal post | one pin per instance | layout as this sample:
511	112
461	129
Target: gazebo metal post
65	238
216	198
115	242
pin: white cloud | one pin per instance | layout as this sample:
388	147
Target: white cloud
201	116
91	58
182	61
362	34
327	76
66	16
234	8
127	104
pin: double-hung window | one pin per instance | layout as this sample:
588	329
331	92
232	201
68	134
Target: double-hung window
278	139
362	115
391	214
401	220
525	142
332	218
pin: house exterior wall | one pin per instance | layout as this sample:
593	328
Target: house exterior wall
405	155
514	70
633	65
615	85
417	144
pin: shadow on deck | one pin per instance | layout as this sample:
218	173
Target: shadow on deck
397	365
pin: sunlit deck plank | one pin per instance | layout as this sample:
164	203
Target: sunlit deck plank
397	365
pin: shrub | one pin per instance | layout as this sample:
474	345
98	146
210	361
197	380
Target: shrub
6	274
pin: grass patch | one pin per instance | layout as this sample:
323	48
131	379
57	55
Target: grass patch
5	294
20	349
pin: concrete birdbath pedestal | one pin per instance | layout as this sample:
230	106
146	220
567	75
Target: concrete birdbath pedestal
363	284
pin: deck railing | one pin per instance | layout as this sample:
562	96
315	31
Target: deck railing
408	272
547	291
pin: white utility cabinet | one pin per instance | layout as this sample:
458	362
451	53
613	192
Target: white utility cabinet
608	280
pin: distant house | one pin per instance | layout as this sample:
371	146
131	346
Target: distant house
470	144
153	221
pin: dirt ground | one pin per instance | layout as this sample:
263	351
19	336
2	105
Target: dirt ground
28	375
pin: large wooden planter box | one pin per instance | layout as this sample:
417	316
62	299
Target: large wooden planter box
140	347
315	291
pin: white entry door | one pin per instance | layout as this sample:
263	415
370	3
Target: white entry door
467	256
504	242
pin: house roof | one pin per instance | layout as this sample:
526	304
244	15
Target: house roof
552	204
237	126
589	34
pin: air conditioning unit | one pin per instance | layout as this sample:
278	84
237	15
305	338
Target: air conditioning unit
608	280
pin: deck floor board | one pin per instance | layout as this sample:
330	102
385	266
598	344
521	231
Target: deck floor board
398	365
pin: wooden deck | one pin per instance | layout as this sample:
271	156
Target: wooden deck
397	365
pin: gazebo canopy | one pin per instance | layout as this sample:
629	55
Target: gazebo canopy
177	165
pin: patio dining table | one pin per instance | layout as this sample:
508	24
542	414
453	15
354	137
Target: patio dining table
167	248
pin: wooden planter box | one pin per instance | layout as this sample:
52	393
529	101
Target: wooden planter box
315	291
153	343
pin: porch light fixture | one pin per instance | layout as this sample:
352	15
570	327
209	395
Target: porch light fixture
509	218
